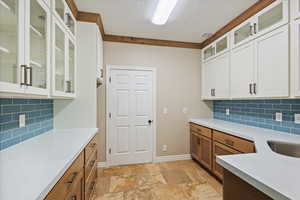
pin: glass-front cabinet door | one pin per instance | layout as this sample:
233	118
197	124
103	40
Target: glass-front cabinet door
11	45
71	82
222	44
242	33
37	51
272	17
70	21
58	59
64	14
209	52
295	9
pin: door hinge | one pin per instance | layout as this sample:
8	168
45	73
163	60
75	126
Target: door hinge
109	151
110	79
109	115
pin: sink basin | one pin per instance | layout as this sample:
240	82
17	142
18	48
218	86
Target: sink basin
285	148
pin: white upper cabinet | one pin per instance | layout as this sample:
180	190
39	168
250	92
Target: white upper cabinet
63	62
37	52
24	47
64	15
270	18
295	9
221	76
259	64
216	48
12	39
215	84
242	33
208	73
208	52
71	79
272	59
295	58
242	71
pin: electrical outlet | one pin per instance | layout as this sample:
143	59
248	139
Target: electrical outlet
227	111
22	121
297	118
185	110
164	148
278	117
165	111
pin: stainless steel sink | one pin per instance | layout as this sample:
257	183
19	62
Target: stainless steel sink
285	148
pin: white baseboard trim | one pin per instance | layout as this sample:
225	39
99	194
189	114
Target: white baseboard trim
172	158
102	164
158	159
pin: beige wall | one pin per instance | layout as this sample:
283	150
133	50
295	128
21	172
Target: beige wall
178	86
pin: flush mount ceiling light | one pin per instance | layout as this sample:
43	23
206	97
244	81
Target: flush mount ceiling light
163	10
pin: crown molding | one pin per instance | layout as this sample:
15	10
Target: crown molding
154	42
96	18
258	6
92	18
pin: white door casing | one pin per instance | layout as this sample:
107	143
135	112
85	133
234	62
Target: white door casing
130	107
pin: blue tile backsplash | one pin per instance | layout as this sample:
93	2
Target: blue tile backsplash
39	119
260	113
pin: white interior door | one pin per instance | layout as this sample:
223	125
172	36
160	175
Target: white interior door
131	108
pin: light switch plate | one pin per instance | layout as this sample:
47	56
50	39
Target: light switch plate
185	110
297	118
22	121
227	111
165	110
278	117
164	148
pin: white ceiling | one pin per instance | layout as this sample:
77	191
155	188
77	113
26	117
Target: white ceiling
189	20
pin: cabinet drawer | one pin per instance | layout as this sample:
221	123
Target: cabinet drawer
77	193
90	164
201	130
239	144
90	148
220	150
70	179
90	184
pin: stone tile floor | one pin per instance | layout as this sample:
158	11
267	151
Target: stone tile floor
179	180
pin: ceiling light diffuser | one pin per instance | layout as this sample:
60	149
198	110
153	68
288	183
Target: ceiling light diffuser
163	11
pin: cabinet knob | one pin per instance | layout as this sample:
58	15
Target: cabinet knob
73	197
229	142
73	178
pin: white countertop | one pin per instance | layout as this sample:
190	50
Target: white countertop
29	170
276	175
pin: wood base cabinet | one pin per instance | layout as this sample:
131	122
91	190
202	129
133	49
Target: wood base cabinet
220	150
201	144
79	181
207	144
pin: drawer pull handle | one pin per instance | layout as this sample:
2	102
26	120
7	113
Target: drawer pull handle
199	130
73	197
229	142
73	178
92	163
93	145
92	185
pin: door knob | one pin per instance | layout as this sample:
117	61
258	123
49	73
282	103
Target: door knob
150	122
